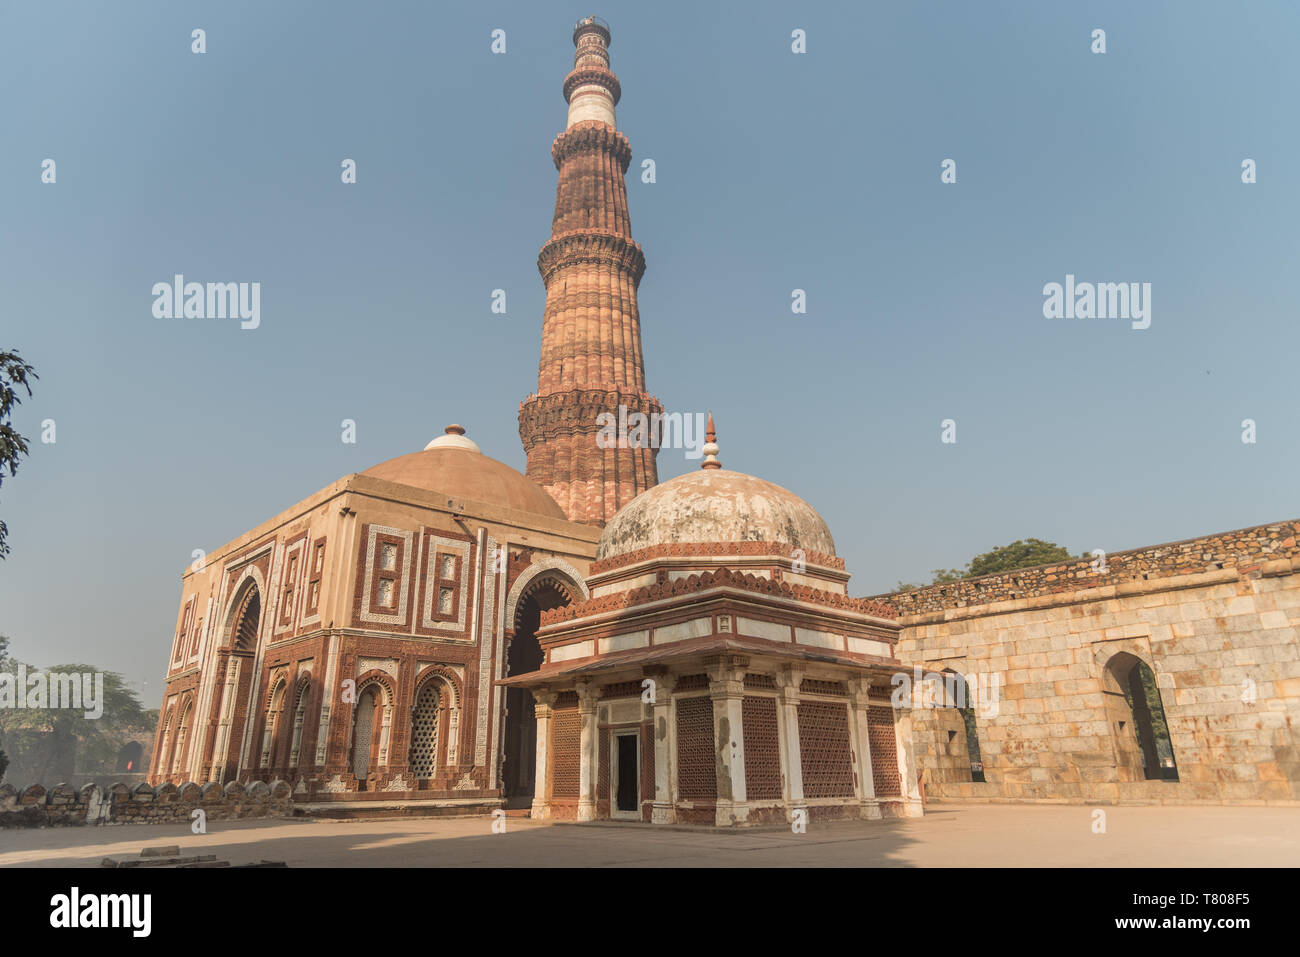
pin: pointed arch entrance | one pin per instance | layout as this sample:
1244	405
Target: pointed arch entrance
546	589
959	727
1143	745
235	671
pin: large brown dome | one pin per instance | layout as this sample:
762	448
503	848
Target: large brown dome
453	466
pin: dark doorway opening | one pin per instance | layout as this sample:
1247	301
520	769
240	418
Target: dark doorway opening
519	751
959	695
1149	723
128	759
628	792
1142	734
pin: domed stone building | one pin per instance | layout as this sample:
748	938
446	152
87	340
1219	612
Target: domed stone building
350	644
719	672
445	633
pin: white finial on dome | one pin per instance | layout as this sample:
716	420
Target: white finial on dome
710	447
454	438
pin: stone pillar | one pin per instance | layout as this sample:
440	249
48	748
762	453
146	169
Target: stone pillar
664	810
788	681
861	738
543	711
221	752
588	752
907	766
385	732
727	689
453	731
299	717
181	734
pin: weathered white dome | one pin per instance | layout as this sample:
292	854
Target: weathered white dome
715	505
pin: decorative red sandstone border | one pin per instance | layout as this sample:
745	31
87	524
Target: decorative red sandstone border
721	577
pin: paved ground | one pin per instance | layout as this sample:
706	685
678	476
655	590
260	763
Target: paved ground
949	835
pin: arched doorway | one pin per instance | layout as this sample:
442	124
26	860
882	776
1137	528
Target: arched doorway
519	750
273	726
1137	717
426	721
299	721
182	736
365	729
963	739
235	671
128	759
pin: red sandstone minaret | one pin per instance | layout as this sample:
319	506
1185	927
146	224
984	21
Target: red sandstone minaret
591	332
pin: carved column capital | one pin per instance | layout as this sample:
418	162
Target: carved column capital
726	674
587	695
543	700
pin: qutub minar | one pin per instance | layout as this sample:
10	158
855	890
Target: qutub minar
591	333
443	634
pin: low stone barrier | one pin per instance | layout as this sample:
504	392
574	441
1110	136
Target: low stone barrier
63	805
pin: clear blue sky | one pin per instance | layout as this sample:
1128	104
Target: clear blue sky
775	171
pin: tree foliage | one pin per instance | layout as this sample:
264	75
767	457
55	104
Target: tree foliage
1022	553
15	374
52	744
1019	554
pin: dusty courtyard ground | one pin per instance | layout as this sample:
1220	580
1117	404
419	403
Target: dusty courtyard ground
948	836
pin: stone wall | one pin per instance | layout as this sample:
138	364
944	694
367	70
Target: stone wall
119	804
1247	549
1214	618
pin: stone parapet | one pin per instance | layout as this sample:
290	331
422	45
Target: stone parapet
1245	550
33	806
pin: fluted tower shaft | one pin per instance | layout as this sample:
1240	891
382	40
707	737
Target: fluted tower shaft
591	332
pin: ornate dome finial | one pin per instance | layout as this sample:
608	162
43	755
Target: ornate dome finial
454	437
710	447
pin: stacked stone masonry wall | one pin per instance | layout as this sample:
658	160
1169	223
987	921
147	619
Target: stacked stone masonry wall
1214	618
62	805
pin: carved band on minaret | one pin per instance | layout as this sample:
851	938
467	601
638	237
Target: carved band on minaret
591	362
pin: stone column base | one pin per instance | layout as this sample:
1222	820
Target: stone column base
870	811
730	815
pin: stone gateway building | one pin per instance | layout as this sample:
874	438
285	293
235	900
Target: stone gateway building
443	634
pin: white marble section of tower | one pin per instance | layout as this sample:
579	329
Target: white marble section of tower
591	88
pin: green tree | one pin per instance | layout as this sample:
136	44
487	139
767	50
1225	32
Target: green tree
15	374
1019	554
51	744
